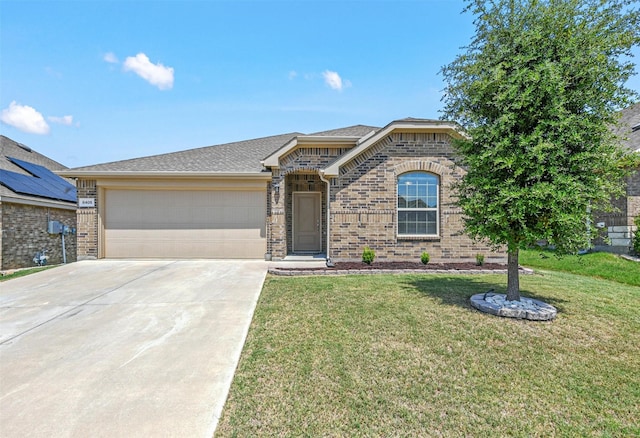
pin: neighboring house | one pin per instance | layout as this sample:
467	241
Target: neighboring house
619	226
330	193
31	195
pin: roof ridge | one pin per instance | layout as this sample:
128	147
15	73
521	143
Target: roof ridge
358	130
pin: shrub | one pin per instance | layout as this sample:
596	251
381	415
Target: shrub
479	259
424	258
368	255
635	242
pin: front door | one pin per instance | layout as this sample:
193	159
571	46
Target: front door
307	224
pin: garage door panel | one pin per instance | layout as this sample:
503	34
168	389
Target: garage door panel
179	235
238	249
185	224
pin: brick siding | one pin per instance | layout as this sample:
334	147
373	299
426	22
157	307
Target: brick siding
24	232
87	221
298	172
364	200
364	203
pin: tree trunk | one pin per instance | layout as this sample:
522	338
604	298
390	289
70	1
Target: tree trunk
513	275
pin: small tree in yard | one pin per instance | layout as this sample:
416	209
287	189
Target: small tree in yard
538	89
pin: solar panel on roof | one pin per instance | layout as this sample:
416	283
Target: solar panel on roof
43	183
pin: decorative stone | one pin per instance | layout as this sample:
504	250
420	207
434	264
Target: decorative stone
526	308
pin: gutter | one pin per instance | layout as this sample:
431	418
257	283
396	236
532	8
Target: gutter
164	174
39	203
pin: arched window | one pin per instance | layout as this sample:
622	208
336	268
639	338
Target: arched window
418	203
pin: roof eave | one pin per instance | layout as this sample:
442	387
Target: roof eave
50	203
273	160
163	174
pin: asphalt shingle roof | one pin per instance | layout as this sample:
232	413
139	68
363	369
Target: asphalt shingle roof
356	131
11	148
237	157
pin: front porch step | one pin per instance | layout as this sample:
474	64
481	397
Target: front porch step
305	258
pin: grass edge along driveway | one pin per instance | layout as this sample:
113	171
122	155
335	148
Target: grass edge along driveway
405	355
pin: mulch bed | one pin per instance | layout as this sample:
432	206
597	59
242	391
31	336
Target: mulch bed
343	266
394	268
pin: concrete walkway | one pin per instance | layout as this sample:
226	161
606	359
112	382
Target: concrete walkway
123	348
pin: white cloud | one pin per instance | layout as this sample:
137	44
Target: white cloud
333	80
64	120
111	58
51	72
293	74
24	118
155	74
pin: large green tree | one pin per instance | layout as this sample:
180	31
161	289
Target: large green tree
538	89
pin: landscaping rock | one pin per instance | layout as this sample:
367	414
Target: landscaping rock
526	308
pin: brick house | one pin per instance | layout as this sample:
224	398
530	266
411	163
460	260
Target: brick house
619	226
327	194
31	196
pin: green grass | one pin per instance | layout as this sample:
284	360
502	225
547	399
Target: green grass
406	355
598	264
23	272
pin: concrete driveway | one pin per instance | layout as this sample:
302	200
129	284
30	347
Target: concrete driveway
123	348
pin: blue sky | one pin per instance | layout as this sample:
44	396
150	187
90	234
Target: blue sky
86	82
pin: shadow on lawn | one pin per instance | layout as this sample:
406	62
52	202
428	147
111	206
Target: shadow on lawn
454	291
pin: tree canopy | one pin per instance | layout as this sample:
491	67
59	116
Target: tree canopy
538	89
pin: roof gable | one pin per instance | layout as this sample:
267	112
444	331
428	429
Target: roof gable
407	125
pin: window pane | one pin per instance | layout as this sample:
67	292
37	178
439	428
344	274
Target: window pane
431	224
422	190
421	226
432	199
412	189
402	227
402	222
402	189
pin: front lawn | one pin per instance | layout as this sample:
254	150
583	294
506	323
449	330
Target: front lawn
405	355
23	272
597	264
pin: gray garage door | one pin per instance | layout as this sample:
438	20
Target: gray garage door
184	224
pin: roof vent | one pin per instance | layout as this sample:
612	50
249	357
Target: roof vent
25	147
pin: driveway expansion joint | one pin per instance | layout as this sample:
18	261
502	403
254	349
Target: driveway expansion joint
60	315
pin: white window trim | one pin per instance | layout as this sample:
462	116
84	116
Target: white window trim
436	209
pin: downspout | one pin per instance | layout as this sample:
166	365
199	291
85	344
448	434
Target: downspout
328	219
